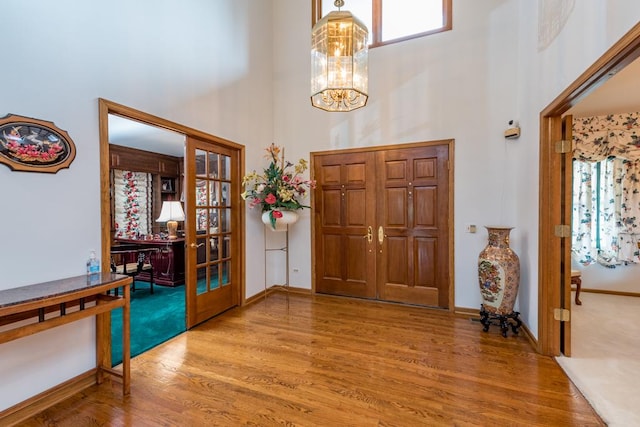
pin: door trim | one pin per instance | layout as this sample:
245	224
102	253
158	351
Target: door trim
550	255
106	107
450	145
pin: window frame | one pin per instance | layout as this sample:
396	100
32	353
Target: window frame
376	31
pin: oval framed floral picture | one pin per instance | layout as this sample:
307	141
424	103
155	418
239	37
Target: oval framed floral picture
34	145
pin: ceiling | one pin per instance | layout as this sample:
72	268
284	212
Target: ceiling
620	94
134	134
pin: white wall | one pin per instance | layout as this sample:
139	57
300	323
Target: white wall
464	84
459	84
200	63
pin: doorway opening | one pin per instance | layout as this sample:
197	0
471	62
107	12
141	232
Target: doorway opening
203	157
554	269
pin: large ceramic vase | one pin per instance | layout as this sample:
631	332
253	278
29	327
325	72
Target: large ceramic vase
498	273
288	218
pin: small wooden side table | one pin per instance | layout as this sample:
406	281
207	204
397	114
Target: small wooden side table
51	304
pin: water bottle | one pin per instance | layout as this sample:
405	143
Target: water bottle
93	265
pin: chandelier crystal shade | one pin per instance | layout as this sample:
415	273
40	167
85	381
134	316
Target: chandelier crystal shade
339	62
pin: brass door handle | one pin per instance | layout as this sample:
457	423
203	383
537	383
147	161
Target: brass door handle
193	245
381	235
369	235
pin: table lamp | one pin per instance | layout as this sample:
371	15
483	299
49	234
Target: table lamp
171	213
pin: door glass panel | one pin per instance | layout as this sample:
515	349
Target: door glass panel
226	190
201	166
215	193
202	253
226	167
213	277
213	221
226	247
214	249
201	220
226	273
213	165
202	280
201	192
225	220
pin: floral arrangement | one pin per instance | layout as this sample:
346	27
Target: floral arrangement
280	187
33	149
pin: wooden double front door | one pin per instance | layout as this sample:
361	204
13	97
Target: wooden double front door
382	223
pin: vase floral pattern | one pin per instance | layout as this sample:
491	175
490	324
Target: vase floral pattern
498	272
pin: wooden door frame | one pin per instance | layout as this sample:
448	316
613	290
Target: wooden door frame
107	107
551	256
450	223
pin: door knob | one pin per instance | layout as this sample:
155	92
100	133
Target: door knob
193	245
369	235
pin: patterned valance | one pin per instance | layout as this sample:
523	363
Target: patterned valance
599	137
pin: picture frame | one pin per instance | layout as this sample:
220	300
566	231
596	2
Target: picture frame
33	145
167	185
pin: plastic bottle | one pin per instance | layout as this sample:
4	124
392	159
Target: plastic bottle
93	265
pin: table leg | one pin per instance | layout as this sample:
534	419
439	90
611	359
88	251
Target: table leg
126	350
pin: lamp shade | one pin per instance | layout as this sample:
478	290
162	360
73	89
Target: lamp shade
339	62
171	211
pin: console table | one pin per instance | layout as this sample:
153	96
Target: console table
168	262
63	301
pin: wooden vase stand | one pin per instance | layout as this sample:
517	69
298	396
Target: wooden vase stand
503	320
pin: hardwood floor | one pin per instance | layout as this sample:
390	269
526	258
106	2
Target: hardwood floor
319	360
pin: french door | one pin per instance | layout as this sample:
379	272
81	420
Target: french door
212	229
382	223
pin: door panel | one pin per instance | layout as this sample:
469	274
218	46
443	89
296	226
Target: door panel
212	174
382	224
414	214
344	210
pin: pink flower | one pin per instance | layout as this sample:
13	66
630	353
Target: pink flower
276	214
270	199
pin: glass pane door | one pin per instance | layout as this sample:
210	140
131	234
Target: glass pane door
215	174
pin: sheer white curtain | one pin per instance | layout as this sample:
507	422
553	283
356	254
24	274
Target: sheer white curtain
606	189
133	203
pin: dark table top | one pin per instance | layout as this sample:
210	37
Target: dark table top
55	288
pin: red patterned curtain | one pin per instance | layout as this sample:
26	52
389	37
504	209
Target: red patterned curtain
133	203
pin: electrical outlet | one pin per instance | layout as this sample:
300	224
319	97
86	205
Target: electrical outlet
471	228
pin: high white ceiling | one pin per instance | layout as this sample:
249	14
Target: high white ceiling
130	133
620	94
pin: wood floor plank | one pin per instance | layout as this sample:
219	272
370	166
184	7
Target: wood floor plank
303	360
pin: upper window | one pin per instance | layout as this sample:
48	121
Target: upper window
391	21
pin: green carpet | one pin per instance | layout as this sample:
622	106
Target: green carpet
154	319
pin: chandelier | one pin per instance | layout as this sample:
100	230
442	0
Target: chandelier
339	62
